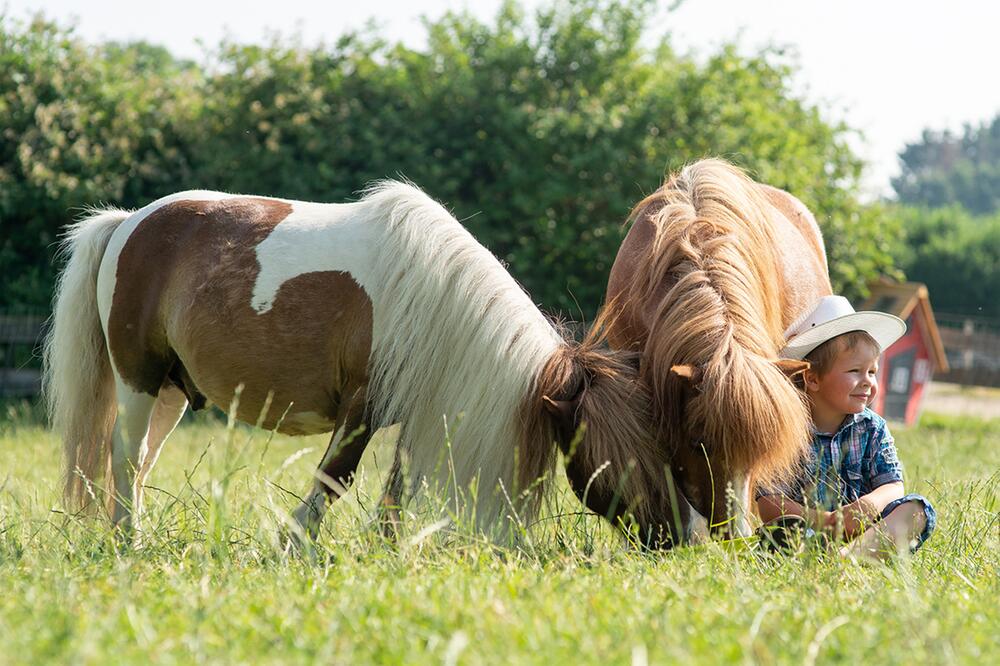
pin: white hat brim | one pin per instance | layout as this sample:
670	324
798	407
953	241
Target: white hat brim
883	327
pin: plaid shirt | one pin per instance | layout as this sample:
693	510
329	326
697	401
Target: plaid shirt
847	464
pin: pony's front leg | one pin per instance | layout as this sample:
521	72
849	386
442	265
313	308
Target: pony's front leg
128	448
335	473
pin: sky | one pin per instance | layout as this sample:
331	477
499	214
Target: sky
888	68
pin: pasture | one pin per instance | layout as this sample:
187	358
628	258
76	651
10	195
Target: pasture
211	584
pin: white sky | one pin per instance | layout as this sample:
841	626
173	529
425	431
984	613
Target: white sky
888	67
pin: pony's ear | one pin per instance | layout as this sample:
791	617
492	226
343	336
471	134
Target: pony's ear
792	367
563	413
561	410
692	373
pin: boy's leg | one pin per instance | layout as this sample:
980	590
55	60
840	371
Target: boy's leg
905	524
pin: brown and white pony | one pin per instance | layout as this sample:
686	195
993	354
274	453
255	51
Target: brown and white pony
712	272
350	317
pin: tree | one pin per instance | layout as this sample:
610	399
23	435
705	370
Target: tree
943	169
540	133
957	255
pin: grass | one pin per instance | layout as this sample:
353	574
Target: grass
210	584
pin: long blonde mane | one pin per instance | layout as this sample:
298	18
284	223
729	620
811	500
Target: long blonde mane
457	347
713	273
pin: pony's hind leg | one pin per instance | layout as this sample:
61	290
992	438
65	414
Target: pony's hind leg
335	473
167	412
128	448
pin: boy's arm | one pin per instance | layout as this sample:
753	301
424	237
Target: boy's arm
861	513
772	506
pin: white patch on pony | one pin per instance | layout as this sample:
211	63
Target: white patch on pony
312	239
454	340
128	452
309	514
741	504
308	422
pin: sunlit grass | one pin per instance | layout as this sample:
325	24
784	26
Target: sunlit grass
213	582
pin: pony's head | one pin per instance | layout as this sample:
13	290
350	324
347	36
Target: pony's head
724	405
592	402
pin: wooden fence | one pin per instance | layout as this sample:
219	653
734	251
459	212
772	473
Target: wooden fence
20	362
972	345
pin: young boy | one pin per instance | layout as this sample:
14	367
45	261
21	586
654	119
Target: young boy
852	486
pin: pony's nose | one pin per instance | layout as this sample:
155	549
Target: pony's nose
697	531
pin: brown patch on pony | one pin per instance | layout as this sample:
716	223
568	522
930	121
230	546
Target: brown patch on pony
628	325
202	254
708	294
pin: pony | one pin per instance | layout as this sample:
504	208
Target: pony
340	318
712	272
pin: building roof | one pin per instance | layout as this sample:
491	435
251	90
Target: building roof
902	299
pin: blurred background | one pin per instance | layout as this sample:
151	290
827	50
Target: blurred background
538	124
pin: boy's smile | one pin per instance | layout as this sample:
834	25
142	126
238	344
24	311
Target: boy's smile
846	388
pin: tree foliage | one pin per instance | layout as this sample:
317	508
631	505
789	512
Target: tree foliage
539	131
956	254
943	169
82	125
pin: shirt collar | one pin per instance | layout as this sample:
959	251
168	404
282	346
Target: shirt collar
849	421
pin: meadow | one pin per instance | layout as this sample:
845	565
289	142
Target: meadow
211	583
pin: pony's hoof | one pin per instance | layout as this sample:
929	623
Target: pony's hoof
299	538
307	519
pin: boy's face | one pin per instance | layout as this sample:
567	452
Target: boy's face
849	385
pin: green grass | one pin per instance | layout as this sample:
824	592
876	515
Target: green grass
210	583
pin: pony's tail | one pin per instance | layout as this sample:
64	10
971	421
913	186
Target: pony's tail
78	384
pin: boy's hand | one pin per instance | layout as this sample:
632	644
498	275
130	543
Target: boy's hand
831	523
851	520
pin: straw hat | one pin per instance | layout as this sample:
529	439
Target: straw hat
834	316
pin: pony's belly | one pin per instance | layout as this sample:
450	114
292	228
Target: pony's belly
308	407
306	423
299	422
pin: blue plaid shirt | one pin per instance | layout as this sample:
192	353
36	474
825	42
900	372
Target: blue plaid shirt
847	464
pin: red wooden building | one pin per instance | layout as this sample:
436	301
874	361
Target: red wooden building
907	365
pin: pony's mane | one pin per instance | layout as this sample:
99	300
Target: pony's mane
457	346
712	264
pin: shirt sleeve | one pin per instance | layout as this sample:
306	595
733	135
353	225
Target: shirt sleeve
884	466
